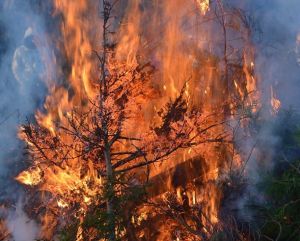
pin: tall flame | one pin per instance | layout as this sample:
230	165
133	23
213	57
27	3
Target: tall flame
74	179
181	61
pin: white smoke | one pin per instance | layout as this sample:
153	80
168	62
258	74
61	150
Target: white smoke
21	227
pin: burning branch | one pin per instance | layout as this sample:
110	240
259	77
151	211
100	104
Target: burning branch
91	147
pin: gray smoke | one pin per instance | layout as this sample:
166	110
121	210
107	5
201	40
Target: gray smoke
21	88
22	91
275	30
277	25
277	65
279	21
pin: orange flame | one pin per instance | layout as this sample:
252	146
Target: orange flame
30	177
77	180
275	103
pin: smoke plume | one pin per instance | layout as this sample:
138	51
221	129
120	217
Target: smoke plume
22	91
20	226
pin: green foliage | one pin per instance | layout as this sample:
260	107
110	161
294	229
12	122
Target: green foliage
219	236
283	206
280	212
69	232
125	198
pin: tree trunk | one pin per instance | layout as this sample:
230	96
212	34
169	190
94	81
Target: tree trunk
110	194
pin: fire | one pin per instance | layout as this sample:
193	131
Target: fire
203	6
275	103
31	177
76	32
73	180
62	204
66	168
4	233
